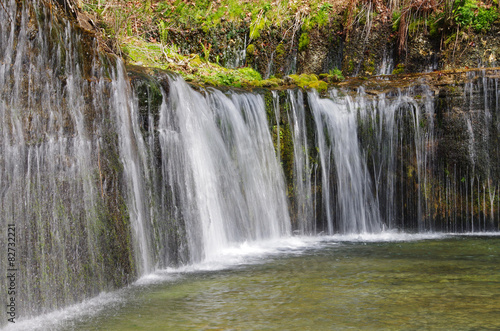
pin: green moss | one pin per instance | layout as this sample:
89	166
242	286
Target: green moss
319	85
250	49
303	41
249	74
193	68
287	151
350	66
434	27
471	13
400	68
309	81
280	49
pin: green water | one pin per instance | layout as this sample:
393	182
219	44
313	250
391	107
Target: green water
451	283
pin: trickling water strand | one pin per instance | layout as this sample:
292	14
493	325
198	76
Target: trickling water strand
387	65
424	140
491	192
304	210
276	106
377	118
134	160
235	54
269	67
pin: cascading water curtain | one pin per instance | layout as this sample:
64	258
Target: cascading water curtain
59	180
304	204
350	203
376	156
230	188
397	134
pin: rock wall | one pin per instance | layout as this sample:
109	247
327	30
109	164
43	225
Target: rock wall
366	47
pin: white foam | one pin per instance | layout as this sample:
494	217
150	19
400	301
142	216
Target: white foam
479	234
240	254
64	318
154	278
387	236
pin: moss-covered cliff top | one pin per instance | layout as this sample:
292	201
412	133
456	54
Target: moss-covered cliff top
258	43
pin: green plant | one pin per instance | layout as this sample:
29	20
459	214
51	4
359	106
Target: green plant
396	20
465	13
163	31
249	74
323	15
250	49
337	73
400	68
469	14
303	41
206	50
435	23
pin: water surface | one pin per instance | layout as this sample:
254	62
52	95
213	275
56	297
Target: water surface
401	282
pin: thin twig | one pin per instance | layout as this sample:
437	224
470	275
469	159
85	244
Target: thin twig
5	9
455	45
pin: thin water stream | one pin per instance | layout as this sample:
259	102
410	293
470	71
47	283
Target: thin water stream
385	281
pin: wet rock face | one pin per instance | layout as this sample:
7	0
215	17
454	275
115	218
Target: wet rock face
469	125
274	51
422	54
225	44
369	50
467	48
323	51
454	144
368	47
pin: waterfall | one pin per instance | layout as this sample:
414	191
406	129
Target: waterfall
398	138
340	155
133	158
363	143
233	189
100	193
304	203
107	180
57	187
